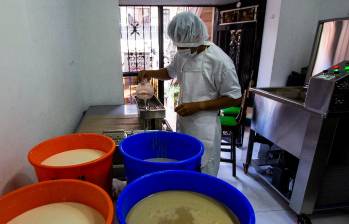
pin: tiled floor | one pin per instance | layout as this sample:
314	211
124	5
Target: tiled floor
268	206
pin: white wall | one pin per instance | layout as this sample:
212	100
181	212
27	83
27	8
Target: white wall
333	9
57	57
295	35
99	46
39	88
297	26
271	26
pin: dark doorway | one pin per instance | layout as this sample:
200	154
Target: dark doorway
238	31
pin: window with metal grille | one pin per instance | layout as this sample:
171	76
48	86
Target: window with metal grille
139	44
145	44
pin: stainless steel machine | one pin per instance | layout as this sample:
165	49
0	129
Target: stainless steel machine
120	121
151	113
310	123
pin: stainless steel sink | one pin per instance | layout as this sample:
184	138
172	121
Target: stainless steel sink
151	109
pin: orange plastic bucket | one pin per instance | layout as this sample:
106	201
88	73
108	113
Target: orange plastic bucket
97	171
47	192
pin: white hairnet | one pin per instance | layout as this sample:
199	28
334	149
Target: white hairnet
187	30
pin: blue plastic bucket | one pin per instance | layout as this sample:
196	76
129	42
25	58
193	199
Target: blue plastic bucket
135	149
185	181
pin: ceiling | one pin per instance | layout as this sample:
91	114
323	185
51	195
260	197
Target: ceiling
176	2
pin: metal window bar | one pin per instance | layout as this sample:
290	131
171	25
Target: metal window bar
135	32
143	38
161	50
128	49
151	39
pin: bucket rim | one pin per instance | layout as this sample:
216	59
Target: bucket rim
100	159
129	187
122	151
109	202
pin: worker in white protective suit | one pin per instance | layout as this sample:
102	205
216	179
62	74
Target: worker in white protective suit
207	80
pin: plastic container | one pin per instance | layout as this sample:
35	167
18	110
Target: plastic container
97	171
32	196
135	149
144	90
185	181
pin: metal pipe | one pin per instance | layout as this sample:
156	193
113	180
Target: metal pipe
161	51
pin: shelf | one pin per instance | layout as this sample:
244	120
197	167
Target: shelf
267	179
241	22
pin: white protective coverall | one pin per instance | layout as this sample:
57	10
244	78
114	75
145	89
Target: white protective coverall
201	77
206	76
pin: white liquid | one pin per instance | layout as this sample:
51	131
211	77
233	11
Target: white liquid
144	96
161	160
180	207
60	213
73	157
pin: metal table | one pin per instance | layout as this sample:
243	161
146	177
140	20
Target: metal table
117	122
99	119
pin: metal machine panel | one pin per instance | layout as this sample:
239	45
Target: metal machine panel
284	124
307	123
328	91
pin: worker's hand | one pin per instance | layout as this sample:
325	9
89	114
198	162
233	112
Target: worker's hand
187	109
143	75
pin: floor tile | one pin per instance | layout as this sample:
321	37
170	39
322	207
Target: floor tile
275	217
269	207
261	197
